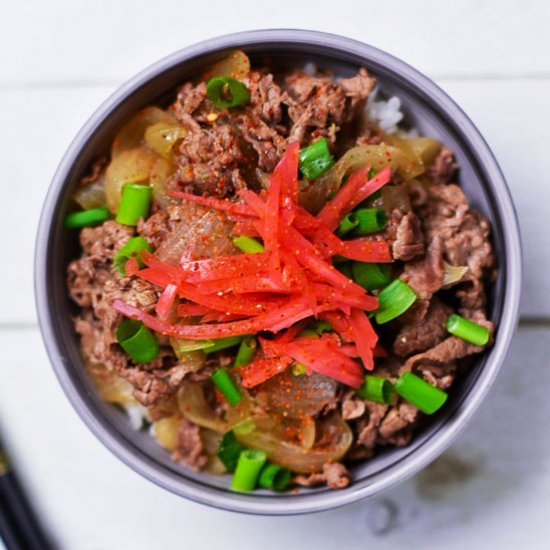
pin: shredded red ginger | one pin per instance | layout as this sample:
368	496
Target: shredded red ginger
277	290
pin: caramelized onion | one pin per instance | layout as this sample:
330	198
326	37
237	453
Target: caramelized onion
111	388
236	65
133	166
211	441
453	274
162	137
131	134
91	195
333	439
194	407
403	157
297	396
165	431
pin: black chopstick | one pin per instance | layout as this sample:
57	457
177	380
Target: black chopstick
19	525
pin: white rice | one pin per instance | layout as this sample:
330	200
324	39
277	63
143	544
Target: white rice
138	415
386	114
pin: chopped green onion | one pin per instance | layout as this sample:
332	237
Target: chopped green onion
349	223
467	330
372	173
298	369
345	268
248	469
223	343
315	159
393	301
229	450
246	352
132	249
370	275
137	341
226	92
135	203
182	346
248	244
418	392
86	218
370	220
376	389
315	329
227	387
274	477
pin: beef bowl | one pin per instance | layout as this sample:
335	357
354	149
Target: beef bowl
356	206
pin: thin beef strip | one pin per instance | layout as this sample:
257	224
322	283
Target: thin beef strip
443	167
318	105
334	475
422	334
189	447
94	285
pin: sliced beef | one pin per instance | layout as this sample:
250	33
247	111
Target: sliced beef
443	167
404	233
268	143
352	405
425	276
398	417
189	446
209	159
334	475
367	428
266	98
422	334
451	348
318	105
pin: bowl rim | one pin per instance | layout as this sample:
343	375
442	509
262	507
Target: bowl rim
433	446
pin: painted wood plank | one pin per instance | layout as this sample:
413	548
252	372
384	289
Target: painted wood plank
492	484
76	41
40	123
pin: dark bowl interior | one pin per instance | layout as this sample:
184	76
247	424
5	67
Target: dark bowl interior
429	110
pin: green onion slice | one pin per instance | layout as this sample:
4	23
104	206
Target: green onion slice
227	387
229	450
86	218
345	268
246	351
371	276
135	203
376	389
248	469
315	159
223	343
298	369
248	245
137	341
226	92
369	220
132	249
467	330
417	391
393	301
349	223
274	477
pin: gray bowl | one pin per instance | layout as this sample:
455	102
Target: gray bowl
431	111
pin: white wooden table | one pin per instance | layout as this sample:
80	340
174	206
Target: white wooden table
61	58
